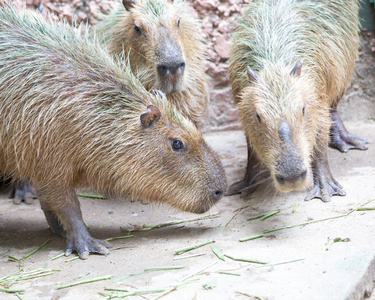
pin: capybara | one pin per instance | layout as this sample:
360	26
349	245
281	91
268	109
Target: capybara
291	62
71	116
164	43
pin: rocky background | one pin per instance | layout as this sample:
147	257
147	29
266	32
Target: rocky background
218	19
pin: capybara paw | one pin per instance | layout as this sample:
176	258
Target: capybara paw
325	191
347	141
19	193
84	248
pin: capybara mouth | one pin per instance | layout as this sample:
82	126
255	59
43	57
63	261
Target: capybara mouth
171	83
293	182
200	209
203	206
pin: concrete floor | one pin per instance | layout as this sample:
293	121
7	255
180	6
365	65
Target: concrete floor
321	270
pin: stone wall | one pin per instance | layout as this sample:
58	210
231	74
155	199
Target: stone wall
358	103
218	19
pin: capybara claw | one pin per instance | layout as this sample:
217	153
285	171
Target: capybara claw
17	201
84	255
314	193
317	193
68	251
100	247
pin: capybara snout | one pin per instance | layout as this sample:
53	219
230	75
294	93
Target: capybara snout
170	62
191	163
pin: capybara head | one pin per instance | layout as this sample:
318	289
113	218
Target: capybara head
280	115
158	36
168	161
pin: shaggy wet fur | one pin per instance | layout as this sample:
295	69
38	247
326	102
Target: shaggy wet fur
272	38
151	32
72	116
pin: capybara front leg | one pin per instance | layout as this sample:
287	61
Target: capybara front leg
340	138
62	207
325	186
52	220
246	186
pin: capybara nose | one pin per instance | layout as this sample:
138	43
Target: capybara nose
291	178
217	195
171	68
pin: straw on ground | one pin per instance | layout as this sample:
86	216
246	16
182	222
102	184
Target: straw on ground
84	282
261	234
249	260
183	250
40	247
170	223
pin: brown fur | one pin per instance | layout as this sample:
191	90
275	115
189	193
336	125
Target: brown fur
71	117
164	28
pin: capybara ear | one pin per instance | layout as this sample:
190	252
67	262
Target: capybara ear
128	4
251	75
297	69
150	116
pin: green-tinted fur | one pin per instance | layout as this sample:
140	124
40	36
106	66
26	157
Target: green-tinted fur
292	36
74	52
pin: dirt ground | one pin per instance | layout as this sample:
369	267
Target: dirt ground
314	267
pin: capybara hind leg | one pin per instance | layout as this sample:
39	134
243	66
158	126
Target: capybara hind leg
64	207
246	186
325	186
340	138
19	191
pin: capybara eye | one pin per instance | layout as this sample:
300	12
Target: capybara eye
258	117
177	145
303	111
137	30
178	22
